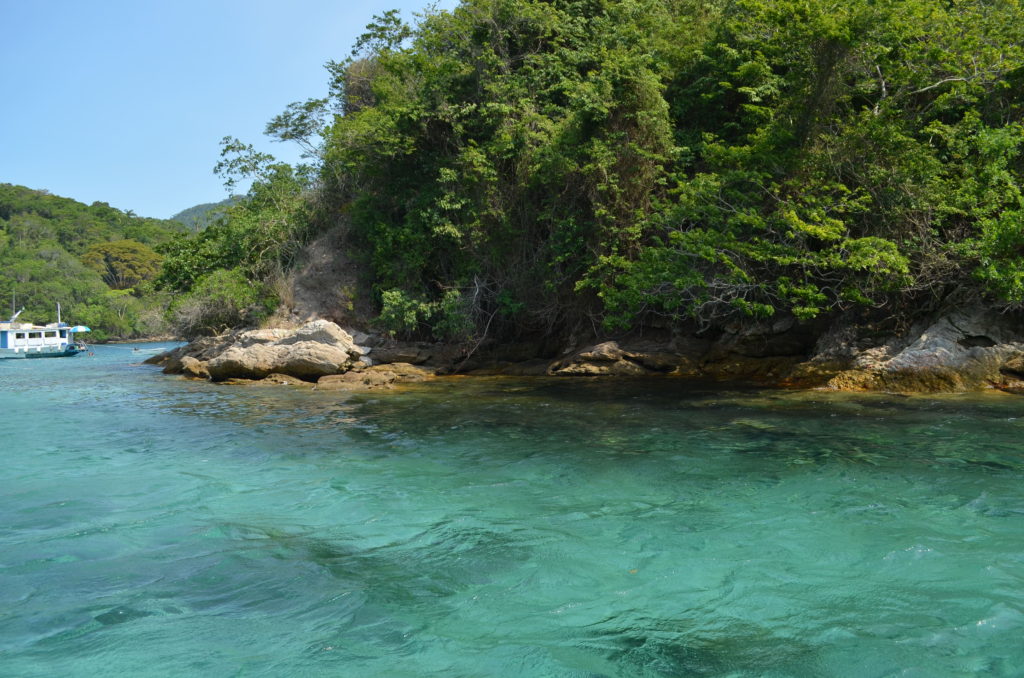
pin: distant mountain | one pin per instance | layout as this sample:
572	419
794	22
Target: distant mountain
75	225
199	217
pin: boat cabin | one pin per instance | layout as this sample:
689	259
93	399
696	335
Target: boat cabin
25	340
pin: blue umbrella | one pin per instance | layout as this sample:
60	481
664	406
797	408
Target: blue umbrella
80	328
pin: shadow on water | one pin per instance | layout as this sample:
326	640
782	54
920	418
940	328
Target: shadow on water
388	593
379	599
658	648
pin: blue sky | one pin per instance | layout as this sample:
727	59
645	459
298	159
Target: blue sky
126	101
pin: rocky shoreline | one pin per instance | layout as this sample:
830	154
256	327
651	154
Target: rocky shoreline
953	352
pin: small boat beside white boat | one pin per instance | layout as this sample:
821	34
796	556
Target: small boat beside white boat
26	340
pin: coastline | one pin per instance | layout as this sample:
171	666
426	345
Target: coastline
138	340
954	352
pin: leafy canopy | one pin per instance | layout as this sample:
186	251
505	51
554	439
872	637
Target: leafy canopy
544	165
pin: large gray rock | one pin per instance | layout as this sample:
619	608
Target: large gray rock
202	349
316	349
958	351
253	337
319	331
193	367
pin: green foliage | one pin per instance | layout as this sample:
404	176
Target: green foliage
220	275
123	264
257	235
451	319
503	147
302	122
220	300
56	250
115	313
198	217
401	314
74	225
522	165
448	316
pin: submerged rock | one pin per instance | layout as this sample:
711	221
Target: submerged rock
373	378
120	615
270	380
282	380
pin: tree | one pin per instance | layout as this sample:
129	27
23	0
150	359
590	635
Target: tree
219	301
43	242
123	264
548	165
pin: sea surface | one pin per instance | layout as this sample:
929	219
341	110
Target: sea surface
153	526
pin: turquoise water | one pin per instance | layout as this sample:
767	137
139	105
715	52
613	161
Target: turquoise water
151	526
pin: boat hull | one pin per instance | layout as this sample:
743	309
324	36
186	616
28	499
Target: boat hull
45	352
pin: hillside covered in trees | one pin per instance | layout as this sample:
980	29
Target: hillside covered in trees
601	165
198	217
95	260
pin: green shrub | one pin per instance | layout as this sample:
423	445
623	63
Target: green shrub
219	301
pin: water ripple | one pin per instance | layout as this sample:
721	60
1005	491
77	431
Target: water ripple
154	526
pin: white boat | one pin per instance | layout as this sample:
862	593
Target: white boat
25	340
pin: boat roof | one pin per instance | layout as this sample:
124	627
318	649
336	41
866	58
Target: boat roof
9	325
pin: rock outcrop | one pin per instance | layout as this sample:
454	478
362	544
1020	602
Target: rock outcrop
953	352
313	350
373	378
319	354
193	367
316	349
605	359
201	350
623	359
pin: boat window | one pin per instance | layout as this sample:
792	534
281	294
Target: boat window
34	335
19	335
50	334
63	334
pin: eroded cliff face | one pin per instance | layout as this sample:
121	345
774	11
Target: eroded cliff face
951	352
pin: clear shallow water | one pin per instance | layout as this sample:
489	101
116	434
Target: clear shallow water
151	526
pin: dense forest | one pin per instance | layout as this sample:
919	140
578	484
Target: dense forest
95	260
599	165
